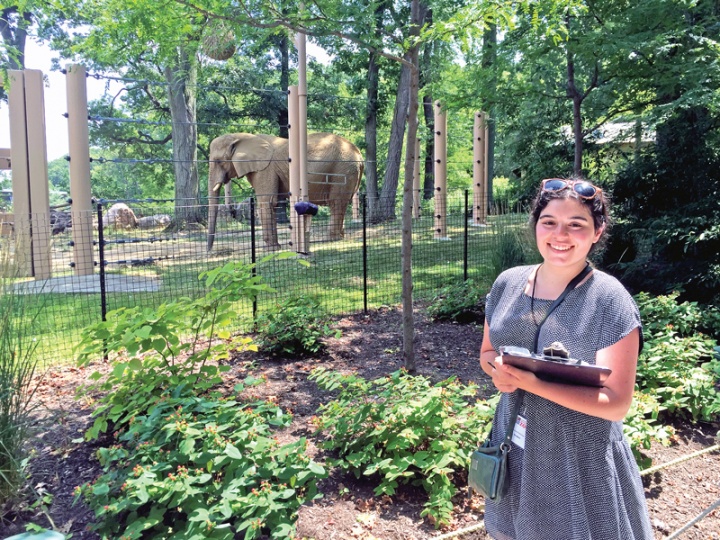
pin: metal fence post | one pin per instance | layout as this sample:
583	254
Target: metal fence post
363	199
465	244
101	257
253	256
101	253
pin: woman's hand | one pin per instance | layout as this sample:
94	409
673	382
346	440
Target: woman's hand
507	378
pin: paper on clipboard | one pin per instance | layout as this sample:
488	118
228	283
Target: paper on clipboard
555	369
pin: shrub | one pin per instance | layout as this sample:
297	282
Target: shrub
681	372
510	247
404	430
18	365
160	362
686	318
298	325
199	468
462	302
642	427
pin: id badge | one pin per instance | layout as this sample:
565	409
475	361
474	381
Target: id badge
519	432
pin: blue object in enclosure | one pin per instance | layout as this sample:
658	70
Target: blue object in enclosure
45	535
305	207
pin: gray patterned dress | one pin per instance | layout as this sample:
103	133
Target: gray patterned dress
576	479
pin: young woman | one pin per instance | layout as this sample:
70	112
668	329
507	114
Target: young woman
571	473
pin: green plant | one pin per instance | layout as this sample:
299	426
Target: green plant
682	373
196	467
686	318
511	246
296	325
462	302
642	426
404	430
159	362
18	365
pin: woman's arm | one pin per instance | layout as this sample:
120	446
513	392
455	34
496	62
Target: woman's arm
610	402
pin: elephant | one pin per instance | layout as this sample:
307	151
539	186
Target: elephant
241	211
334	169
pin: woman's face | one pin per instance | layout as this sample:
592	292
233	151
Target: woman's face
565	233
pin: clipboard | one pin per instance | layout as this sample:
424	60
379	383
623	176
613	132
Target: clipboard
546	368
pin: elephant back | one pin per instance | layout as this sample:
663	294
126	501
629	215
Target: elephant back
328	152
246	151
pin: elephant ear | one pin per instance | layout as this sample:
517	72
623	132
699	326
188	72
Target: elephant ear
250	153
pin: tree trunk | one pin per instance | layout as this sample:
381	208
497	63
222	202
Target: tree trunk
182	84
371	179
407	219
428	114
284	46
488	62
574	94
388	194
14	38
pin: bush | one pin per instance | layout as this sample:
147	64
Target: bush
510	247
298	325
160	363
404	430
677	372
18	365
462	303
658	313
200	468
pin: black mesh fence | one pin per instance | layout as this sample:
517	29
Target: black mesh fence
145	253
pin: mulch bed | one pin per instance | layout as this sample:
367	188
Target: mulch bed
370	345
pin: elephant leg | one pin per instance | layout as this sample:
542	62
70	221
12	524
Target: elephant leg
266	208
337	218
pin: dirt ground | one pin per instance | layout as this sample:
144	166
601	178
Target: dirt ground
370	345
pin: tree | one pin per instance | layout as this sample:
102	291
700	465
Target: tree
14	25
166	40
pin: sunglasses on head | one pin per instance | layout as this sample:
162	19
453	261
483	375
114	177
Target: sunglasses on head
584	189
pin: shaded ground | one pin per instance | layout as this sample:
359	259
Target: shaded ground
371	346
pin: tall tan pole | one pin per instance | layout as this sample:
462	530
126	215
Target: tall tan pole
20	172
297	232
38	168
31	194
79	146
480	202
440	169
416	181
300	41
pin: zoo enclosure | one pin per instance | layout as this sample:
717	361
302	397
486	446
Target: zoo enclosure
145	266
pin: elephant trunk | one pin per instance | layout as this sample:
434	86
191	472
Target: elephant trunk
216	179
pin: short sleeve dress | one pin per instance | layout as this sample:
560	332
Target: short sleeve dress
576	478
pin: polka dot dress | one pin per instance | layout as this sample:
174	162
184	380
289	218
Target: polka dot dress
576	478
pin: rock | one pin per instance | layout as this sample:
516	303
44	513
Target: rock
153	222
120	216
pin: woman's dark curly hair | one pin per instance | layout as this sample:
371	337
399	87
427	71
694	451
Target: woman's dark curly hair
599	206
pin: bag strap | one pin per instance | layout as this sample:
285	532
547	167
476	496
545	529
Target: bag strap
573	283
505	445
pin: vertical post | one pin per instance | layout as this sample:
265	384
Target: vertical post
416	181
465	237
20	172
79	146
300	41
440	173
38	169
101	257
297	232
253	255
101	262
479	170
364	253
